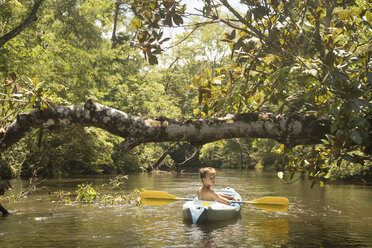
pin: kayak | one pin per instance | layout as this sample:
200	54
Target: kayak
199	211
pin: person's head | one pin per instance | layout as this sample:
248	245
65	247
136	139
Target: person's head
208	176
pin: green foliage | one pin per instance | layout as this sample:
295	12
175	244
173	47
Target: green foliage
240	153
126	162
285	57
149	17
5	170
118	181
295	56
68	50
19	95
86	194
88	152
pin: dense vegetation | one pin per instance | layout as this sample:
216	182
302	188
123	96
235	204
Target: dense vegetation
277	56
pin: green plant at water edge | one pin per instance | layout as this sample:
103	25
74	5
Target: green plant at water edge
131	198
117	181
134	197
64	196
10	198
86	193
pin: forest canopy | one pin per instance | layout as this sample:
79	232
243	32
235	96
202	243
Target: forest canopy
238	58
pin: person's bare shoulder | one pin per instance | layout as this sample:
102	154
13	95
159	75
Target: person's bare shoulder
199	192
208	195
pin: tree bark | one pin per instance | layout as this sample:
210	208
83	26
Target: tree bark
291	129
17	30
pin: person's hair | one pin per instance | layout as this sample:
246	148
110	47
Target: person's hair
204	171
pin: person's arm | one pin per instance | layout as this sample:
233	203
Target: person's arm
222	199
228	197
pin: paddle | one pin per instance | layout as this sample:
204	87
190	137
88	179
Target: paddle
268	203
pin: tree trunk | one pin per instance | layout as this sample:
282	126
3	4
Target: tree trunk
27	21
291	129
114	38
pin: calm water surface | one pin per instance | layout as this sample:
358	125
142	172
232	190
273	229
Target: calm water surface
334	216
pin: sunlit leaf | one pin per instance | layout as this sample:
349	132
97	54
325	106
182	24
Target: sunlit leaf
136	23
321	183
188	87
280	174
35	81
207	73
43	106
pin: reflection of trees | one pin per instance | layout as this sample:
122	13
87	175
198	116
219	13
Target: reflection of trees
266	232
213	234
269	231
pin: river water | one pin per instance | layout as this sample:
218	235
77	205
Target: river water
333	216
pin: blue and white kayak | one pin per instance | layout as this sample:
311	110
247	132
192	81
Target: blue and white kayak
199	211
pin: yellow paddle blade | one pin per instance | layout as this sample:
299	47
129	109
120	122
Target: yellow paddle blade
157	198
271	203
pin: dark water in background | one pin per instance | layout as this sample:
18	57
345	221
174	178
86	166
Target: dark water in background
334	216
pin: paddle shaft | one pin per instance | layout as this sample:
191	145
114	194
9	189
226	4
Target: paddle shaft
239	202
165	198
256	203
268	203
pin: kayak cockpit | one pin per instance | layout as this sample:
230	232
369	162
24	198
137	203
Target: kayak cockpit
199	211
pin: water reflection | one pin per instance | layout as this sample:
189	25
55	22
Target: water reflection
214	234
334	216
238	233
269	231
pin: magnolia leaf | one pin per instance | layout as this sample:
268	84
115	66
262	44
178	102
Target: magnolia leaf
321	183
355	136
177	19
153	60
196	80
136	23
188	87
349	158
260	12
152	5
43	106
368	16
35	80
207	73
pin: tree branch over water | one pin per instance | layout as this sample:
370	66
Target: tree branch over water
293	129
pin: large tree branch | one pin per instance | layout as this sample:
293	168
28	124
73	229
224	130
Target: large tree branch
291	129
17	30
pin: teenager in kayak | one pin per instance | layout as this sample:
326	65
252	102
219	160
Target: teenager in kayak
206	193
